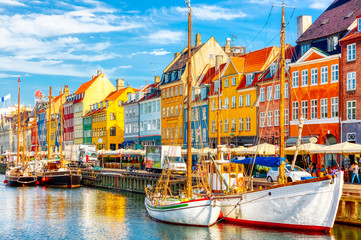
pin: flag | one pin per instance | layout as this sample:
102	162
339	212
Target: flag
3	99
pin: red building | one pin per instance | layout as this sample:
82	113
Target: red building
351	84
68	121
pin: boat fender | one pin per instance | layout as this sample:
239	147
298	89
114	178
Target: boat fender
269	194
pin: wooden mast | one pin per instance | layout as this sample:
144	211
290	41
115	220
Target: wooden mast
49	123
282	100
23	155
18	128
189	189
61	127
36	133
219	120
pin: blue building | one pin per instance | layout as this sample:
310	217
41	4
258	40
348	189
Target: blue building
42	130
200	116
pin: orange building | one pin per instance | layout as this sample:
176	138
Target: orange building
314	95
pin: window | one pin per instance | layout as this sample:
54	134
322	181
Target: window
163	133
304	109
240	124
171	111
167	133
324	75
234	100
176	111
332	43
226	84
234	81
351	81
272	69
313	76
277	117
167	111
324	108
277	91
163	94
112	116
304	48
269	93
181	132
248	100
158	124
286	90
176	132
269	119
240	101
359	24
249	79
304	77
197	114
226	103
351	110
334	73
295	79
171	133
176	91
233	126
180	90
314	109
295	110
262	94
204	113
286	116
171	92
112	131
213	105
334	107
351	52
226	125
163	112
213	126
262	119
248	124
351	137
204	135
167	92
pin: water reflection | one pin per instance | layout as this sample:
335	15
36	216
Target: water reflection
86	213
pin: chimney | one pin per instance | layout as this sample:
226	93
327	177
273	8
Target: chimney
176	55
227	48
156	79
66	90
120	84
61	91
198	40
303	23
219	60
99	72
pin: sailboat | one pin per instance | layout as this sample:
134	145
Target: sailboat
56	172
20	174
303	205
188	209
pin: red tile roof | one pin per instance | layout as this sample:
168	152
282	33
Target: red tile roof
242	85
337	21
86	85
114	95
257	59
352	35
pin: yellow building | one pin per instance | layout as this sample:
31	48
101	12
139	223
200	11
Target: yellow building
87	94
173	86
235	91
56	104
108	118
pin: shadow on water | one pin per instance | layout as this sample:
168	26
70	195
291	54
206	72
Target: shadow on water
89	213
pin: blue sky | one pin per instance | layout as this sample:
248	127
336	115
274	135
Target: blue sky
58	43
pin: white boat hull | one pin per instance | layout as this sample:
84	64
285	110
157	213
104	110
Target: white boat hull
305	205
200	212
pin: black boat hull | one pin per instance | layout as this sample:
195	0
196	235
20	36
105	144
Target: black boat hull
67	179
20	181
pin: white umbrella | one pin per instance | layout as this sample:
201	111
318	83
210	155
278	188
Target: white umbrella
307	148
341	148
262	149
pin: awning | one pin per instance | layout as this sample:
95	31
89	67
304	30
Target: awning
263	161
291	141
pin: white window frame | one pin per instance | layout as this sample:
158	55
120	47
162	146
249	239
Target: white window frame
324	108
234	101
277	91
248	100
304	109
226	82
304	77
262	119
269	93
334	73
269	119
324	75
351	110
314	108
248	124
295	111
277	117
234	81
334	107
314	76
226	125
351	52
240	104
262	94
240	124
351	81
286	90
295	79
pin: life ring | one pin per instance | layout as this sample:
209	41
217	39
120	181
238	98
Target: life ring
241	184
58	164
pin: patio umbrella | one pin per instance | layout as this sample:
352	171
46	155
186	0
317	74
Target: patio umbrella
307	148
239	150
341	148
262	149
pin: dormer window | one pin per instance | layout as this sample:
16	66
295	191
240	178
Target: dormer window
325	21
216	86
272	69
249	79
359	24
349	14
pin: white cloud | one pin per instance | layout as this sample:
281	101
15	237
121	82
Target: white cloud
5	75
321	4
213	12
165	37
154	52
11	2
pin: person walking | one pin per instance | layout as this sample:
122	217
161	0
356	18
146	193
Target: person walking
355	169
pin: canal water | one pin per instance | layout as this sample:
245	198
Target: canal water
88	213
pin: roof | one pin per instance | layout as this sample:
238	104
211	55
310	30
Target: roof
86	85
94	111
256	60
242	85
183	58
337	21
352	35
114	95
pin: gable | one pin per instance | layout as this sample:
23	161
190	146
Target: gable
313	56
230	69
